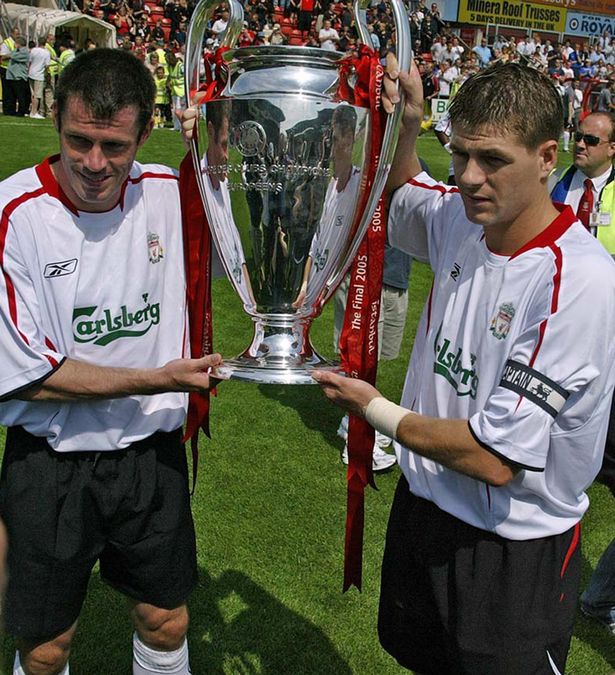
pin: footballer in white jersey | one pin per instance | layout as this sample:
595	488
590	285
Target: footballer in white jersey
95	377
506	402
63	308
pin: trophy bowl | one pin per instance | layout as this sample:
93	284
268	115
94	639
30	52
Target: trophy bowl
282	157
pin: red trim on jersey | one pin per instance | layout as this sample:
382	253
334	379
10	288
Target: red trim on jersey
552	232
50	344
54	189
138	179
576	537
557	280
4	226
51	185
151	174
557	277
50	358
440	188
10	287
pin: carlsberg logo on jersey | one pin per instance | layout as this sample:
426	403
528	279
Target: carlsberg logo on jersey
102	326
449	363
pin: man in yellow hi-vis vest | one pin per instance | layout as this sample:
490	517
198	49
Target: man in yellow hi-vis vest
7	47
176	85
67	54
588	186
52	74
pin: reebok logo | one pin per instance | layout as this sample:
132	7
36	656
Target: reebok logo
60	269
102	326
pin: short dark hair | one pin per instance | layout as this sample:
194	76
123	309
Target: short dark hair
107	81
512	98
345	118
216	112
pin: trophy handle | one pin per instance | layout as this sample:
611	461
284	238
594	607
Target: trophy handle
203	12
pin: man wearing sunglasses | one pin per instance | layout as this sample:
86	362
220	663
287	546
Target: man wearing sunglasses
588	186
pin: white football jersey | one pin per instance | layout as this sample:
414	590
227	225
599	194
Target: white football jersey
520	346
104	288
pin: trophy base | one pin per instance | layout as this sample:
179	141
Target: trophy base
248	369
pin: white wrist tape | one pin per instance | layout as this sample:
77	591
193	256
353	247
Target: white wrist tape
385	416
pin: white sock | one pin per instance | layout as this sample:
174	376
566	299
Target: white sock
18	670
566	139
146	660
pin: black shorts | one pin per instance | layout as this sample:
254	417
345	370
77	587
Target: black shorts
128	509
459	600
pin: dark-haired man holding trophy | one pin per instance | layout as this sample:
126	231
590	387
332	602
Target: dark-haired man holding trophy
94	322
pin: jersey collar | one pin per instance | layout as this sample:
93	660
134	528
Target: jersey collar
551	233
54	189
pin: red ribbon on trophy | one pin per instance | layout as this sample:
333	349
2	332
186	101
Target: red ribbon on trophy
359	338
197	256
215	79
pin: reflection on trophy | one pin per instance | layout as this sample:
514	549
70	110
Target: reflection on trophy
283	164
340	201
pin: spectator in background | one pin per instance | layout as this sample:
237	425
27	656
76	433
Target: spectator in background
163	99
277	37
431	85
51	74
141	29
138	10
426	36
457	51
152	61
123	23
16	99
437	48
448	74
67	53
176	87
139	48
436	23
6	49
328	36
219	26
606	100
415	28
37	67
179	34
157	32
108	7
373	36
483	53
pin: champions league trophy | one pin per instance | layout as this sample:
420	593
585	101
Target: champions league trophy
282	157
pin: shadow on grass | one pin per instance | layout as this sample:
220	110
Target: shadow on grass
591	632
236	627
309	403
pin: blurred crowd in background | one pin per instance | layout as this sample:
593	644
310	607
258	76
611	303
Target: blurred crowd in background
157	33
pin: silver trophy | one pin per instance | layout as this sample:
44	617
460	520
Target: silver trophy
281	162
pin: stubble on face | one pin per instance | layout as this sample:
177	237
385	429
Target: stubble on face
96	155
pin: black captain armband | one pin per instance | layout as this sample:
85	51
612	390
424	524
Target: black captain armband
534	386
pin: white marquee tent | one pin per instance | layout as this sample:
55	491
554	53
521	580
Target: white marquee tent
35	22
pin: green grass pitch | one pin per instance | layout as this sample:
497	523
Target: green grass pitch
269	509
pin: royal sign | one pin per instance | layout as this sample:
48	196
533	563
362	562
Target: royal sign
586	25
